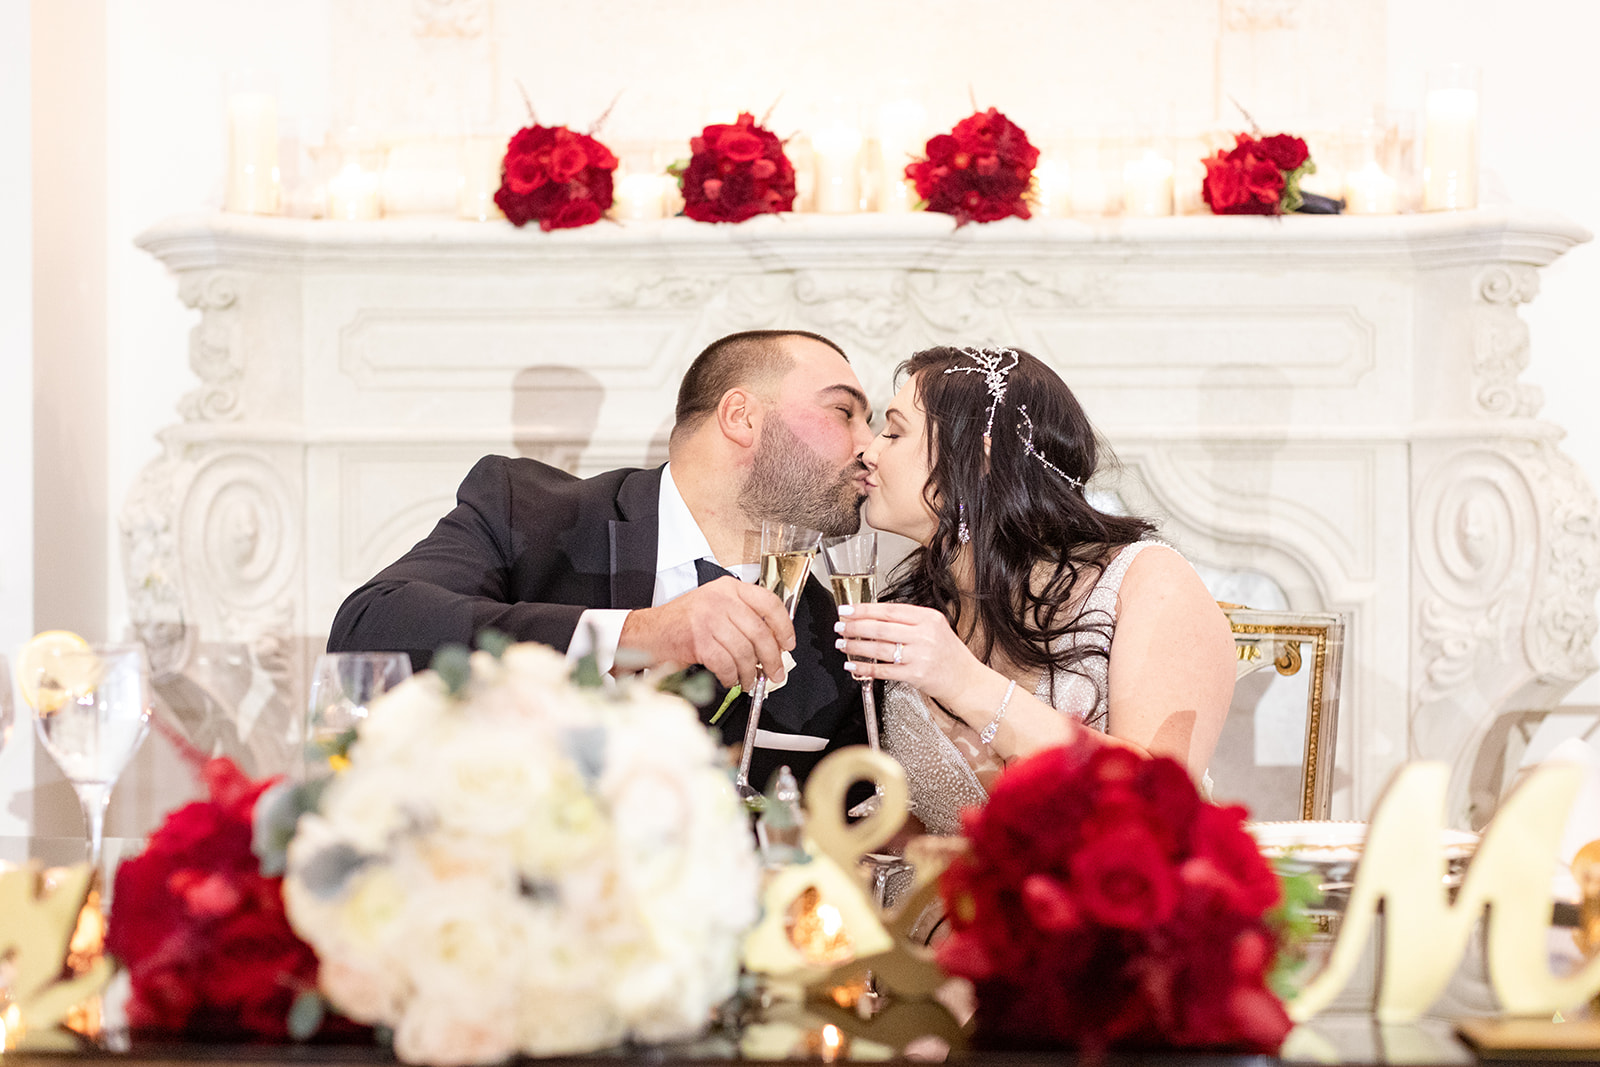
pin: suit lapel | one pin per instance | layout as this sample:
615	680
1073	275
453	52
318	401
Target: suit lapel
633	540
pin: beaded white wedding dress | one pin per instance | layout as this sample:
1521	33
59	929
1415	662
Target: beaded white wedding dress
948	769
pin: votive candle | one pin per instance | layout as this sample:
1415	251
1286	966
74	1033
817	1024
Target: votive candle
353	194
638	197
1147	186
1054	178
1369	191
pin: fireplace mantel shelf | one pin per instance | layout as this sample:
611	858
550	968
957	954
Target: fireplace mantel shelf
917	241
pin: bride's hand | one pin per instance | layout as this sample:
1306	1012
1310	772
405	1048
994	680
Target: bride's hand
905	643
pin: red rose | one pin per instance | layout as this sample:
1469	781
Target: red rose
1285	152
1123	879
740	146
1264	181
567	159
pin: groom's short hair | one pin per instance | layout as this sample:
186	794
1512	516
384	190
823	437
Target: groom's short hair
752	358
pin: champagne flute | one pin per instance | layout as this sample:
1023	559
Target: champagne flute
853	570
786	554
92	708
344	685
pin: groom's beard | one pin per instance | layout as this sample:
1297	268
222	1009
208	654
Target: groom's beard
789	482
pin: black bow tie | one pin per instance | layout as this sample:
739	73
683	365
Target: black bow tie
710	572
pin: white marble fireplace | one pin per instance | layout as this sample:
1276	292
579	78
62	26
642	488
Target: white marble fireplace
1329	404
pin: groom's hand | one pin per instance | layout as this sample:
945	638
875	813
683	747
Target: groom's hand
727	626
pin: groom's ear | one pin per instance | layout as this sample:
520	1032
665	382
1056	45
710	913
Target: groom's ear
739	417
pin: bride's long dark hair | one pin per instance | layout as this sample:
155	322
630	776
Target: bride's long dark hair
1022	508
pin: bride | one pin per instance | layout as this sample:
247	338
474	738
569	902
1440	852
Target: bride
1027	617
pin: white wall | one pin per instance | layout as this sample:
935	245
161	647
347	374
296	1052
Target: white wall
1541	147
16	395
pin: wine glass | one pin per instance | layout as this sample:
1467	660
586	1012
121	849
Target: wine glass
91	708
344	686
786	554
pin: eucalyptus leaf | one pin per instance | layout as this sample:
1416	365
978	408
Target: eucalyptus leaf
495	642
306	1015
453	665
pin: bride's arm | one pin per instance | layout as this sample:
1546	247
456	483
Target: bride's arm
1172	661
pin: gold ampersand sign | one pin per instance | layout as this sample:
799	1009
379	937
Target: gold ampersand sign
833	877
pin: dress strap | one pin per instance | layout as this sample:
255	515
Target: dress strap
1103	597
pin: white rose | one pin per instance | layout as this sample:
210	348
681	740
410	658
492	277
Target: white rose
454	1031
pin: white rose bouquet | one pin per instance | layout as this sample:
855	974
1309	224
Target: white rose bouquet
512	863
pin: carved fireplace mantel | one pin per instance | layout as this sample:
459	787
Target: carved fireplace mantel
1332	403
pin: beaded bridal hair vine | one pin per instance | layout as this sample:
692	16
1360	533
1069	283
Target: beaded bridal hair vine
991	363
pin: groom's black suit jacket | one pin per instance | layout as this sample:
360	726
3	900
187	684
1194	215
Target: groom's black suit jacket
528	548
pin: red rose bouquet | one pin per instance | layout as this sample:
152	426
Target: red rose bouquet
1261	176
560	178
735	172
1103	904
980	171
201	931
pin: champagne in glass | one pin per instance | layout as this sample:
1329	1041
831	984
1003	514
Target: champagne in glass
91	706
786	554
854	588
785	574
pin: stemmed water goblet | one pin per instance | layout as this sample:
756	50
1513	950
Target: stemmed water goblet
344	685
786	554
91	708
853	571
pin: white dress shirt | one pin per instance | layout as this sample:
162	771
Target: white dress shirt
679	543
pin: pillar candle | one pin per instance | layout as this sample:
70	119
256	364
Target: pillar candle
1369	191
1147	186
1450	150
253	182
837	152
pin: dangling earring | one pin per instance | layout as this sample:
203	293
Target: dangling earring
963	534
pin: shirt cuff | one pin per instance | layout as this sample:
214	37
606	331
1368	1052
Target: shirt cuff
599	630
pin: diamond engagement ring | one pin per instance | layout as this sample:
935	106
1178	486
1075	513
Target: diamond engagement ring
898	649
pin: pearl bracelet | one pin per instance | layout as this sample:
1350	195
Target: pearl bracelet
987	737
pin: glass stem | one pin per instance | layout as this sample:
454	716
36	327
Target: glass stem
869	706
95	799
758	698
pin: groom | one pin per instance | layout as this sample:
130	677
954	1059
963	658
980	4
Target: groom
770	424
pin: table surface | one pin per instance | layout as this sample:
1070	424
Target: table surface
1339	1038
